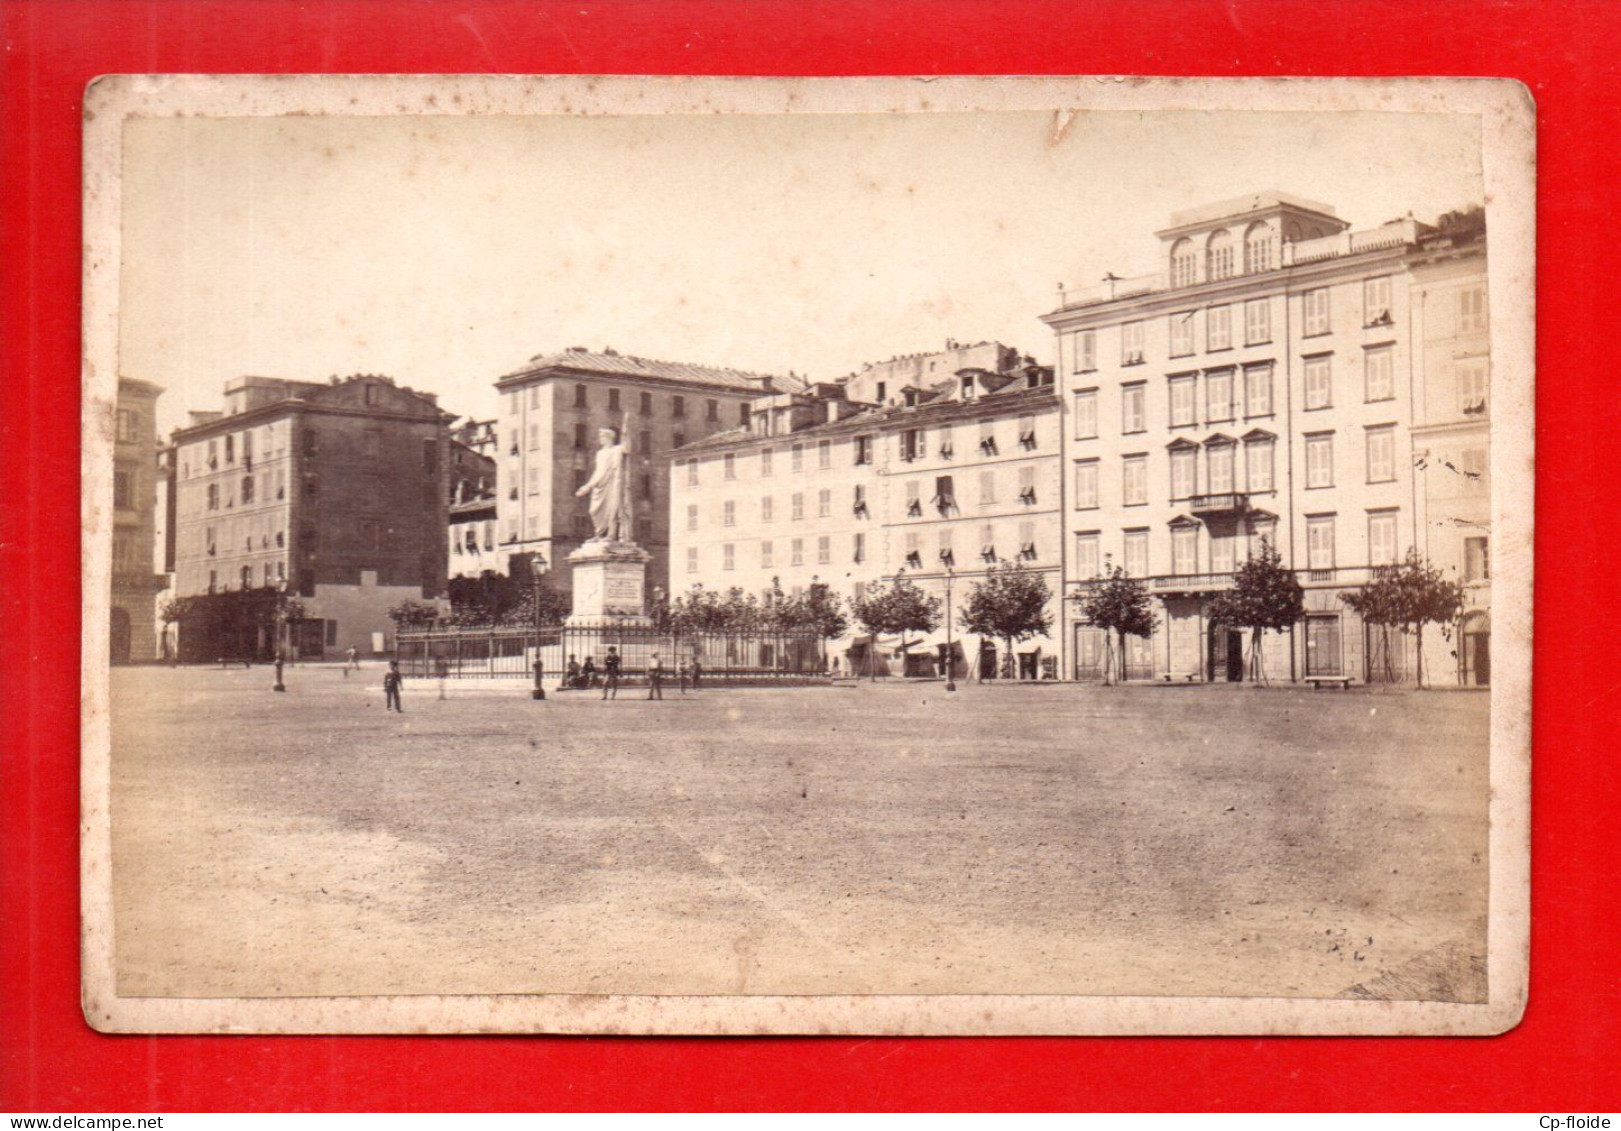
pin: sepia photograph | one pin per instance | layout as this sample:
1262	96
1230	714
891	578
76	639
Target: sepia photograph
794	556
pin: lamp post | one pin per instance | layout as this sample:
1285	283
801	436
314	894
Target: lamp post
281	631
951	666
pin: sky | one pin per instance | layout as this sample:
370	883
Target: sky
447	251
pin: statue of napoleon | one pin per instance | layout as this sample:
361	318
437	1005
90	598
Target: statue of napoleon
609	488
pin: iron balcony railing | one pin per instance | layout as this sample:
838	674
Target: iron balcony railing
1222	502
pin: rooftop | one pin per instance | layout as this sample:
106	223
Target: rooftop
1243	206
611	363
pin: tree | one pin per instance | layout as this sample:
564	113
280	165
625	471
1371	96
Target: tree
897	606
410	614
1408	596
1118	603
1264	596
818	609
1011	603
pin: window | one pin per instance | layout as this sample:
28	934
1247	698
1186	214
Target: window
1472	310
797	506
1133	408
1316	310
914	502
247	487
123	489
728	466
911	444
647	404
1134	487
1086	556
945	494
1219	256
914	557
767	509
1381	538
230	448
1218	395
987	488
1027	433
692	473
987	437
796	552
1222	553
1258	465
1135	557
1184	264
1131	343
1382	454
728	513
860	505
213	496
1472	386
824	453
1182	334
312	443
1027	541
1477	561
1219	459
863	450
613	400
728	556
1086	414
1320	460
1473	463
947	448
1257	321
1184	469
1259	245
743	414
1323	645
1027	484
678	407
129	425
1379	365
947	555
1258	390
534	437
711	410
1086	485
1184	391
824	549
678	440
581	397
765	463
581	431
765	554
692	559
1086	351
987	542
1320	542
1185	550
1218	328
824	502
796	458
534	478
1319	383
1376	301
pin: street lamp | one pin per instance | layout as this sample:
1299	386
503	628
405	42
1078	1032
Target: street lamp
951	666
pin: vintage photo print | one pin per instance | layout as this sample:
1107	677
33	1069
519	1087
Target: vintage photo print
687	555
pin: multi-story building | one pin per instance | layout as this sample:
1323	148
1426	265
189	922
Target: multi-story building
1277	380
551	411
939	477
135	492
333	493
472	501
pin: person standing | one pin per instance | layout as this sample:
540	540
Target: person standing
610	670
655	677
683	670
353	661
391	687
697	670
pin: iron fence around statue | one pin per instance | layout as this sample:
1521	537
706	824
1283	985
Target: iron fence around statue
510	653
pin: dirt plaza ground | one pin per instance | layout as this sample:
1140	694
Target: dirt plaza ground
890	838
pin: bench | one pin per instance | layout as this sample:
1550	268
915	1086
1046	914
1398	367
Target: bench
1340	681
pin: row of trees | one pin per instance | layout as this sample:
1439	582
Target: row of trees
1267	597
236	624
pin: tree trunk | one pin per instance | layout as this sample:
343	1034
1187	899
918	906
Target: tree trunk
1419	664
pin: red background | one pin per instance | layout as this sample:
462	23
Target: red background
1556	1060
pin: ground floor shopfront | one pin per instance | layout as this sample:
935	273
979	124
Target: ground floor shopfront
1330	641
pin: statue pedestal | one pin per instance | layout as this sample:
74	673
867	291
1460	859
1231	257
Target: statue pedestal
610	584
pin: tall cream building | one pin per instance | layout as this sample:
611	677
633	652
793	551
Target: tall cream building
932	465
1280	377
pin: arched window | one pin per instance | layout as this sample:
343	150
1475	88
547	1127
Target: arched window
1184	264
1219	255
1259	249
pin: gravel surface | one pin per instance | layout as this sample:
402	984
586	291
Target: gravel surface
881	839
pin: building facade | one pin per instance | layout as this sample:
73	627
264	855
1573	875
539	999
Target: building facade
472	506
952	472
135	494
551	411
336	494
1279	379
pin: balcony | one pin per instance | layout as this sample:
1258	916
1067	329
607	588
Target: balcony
1191	583
1224	504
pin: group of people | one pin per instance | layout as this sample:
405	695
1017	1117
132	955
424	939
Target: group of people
584	676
